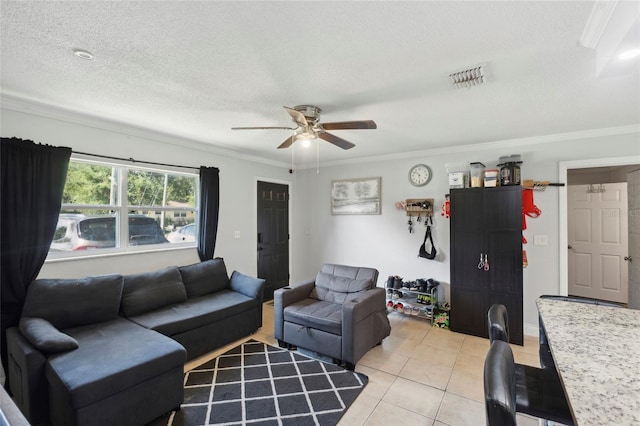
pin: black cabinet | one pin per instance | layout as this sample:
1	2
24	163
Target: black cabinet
486	222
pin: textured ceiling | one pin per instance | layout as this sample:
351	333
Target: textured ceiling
196	69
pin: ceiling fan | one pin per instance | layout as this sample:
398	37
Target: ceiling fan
307	118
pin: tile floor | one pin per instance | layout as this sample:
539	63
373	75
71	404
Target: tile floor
420	375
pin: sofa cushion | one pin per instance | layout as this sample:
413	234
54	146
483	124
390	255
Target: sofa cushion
337	289
195	312
112	357
45	337
152	290
318	314
205	277
72	302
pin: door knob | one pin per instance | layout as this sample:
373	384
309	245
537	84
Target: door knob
570	247
627	258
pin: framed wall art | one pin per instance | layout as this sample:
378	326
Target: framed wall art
356	196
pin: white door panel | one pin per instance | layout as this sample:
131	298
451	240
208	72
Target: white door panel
598	242
633	259
582	270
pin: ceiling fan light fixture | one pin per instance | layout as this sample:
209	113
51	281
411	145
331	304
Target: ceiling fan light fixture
305	135
473	76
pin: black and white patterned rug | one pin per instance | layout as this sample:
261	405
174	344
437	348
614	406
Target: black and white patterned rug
259	384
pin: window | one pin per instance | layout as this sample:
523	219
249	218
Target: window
98	196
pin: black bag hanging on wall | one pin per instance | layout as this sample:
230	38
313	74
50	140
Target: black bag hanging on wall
423	251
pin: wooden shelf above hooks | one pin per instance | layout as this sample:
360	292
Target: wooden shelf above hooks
419	207
538	185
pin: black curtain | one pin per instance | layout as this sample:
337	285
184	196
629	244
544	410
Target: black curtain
209	210
31	187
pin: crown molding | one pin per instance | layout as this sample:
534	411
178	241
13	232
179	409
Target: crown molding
508	143
33	107
597	22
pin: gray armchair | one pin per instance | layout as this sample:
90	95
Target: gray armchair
341	313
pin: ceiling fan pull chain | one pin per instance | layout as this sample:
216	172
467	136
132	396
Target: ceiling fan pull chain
317	156
292	149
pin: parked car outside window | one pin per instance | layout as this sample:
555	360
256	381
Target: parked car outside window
185	234
81	232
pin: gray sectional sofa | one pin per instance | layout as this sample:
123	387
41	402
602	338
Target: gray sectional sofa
110	350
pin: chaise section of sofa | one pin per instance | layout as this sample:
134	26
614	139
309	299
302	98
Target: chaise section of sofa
74	360
121	373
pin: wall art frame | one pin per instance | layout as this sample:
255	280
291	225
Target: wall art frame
356	196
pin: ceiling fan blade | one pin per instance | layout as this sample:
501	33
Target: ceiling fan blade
287	143
343	125
261	128
298	117
335	140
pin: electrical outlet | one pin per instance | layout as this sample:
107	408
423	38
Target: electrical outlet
236	235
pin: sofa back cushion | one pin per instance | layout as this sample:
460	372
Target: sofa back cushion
205	277
338	289
69	303
152	290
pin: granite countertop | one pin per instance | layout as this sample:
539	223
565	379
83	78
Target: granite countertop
597	353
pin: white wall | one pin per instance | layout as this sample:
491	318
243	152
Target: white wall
237	191
381	241
384	242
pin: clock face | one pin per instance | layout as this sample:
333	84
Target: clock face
420	175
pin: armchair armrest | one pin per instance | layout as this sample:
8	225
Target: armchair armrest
364	324
284	297
356	310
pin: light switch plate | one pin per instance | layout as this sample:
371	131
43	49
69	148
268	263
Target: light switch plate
540	240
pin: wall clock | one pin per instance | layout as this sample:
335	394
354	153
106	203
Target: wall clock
420	175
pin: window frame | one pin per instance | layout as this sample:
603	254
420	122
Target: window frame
122	209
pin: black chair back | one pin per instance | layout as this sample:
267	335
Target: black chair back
498	323
500	385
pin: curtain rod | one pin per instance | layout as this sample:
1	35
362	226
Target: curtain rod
135	161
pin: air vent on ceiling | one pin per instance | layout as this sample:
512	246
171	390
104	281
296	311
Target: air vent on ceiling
470	77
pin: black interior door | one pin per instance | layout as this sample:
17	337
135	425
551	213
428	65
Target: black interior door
273	236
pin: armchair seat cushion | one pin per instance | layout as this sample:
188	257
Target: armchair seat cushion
318	314
196	312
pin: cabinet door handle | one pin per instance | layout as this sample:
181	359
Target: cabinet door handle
484	262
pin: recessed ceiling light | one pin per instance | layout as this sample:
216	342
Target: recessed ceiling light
83	54
629	54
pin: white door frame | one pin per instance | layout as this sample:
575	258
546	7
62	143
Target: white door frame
563	166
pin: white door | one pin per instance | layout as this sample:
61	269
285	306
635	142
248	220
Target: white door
633	179
598	242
